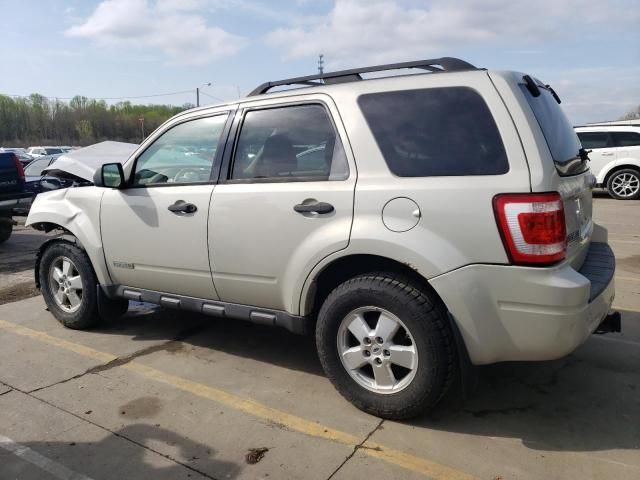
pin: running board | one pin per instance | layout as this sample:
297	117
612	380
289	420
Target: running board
213	308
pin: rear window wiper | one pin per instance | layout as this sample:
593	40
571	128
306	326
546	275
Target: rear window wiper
553	93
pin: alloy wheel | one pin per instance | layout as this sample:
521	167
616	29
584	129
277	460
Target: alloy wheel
65	284
625	184
377	350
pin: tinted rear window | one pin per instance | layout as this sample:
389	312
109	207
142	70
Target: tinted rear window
560	136
626	139
591	140
435	132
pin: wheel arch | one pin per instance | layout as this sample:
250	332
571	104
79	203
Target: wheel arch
76	212
617	166
66	237
342	268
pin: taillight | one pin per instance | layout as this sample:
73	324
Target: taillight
532	227
19	166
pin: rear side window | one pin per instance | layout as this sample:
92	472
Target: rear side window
292	143
561	138
626	139
591	140
435	132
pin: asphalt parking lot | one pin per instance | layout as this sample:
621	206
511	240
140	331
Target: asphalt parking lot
166	395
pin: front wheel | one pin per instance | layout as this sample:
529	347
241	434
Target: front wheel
69	285
624	184
386	345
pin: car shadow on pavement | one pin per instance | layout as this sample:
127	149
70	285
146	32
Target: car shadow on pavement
234	337
588	401
113	457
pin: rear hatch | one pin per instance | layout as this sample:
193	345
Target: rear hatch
574	180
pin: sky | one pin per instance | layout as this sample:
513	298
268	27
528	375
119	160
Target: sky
588	50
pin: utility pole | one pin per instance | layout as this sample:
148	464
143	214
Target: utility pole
198	92
321	64
141	120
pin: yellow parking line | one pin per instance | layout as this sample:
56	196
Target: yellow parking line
256	409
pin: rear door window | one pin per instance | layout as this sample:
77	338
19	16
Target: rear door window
289	143
594	140
435	132
560	136
626	139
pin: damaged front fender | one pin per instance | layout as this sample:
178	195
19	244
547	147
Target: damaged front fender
77	211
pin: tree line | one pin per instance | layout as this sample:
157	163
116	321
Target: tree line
38	120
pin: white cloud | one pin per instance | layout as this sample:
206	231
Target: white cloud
361	32
594	94
169	26
379	30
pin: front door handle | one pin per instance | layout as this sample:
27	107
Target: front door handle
316	207
182	207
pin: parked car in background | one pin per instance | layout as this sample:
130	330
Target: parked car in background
12	192
413	223
24	158
40	151
35	174
615	158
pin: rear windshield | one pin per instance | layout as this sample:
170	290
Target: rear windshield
561	138
435	132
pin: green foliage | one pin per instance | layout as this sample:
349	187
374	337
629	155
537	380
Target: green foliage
37	120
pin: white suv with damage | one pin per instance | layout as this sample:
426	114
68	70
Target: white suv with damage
415	224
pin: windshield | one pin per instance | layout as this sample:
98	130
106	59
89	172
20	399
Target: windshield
35	168
562	140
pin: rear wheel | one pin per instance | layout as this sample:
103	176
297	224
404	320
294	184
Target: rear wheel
624	184
386	345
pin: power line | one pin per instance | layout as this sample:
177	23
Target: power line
202	92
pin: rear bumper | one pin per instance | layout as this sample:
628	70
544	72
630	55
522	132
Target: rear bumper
510	313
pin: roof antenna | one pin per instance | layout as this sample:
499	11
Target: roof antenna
321	64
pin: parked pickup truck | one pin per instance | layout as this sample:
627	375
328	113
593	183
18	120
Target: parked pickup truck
12	192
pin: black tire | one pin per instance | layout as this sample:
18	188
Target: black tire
6	228
424	318
86	316
629	173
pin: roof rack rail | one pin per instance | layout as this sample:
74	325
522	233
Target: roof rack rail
444	64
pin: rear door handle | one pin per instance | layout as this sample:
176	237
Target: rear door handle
317	207
182	207
609	154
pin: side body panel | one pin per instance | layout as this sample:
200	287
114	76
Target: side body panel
456	223
622	159
261	249
78	211
147	246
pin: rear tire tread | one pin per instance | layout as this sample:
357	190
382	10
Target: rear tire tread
433	313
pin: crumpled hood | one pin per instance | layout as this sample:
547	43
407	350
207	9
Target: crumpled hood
85	161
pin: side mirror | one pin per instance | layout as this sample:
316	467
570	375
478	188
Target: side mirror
110	175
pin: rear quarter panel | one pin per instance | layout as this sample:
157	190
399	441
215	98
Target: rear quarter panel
457	224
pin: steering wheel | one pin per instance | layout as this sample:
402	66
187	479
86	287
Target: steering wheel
189	174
